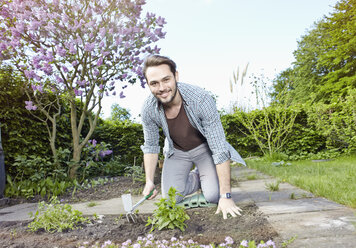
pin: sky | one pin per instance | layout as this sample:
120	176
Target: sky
210	39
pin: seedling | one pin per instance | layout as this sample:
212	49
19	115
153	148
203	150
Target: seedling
252	177
289	241
92	204
274	186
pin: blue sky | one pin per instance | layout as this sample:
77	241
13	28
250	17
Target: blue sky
209	39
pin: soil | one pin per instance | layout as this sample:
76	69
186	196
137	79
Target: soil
203	227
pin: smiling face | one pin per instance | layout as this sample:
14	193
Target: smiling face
162	83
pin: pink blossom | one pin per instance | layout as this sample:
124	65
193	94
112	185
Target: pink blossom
61	51
229	240
3	47
102	32
30	106
21	27
65	69
34	25
59	79
40	88
72	49
78	92
100	61
89	47
47	68
161	21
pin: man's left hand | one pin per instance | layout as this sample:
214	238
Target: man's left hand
228	206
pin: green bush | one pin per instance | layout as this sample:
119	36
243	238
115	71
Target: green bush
336	122
45	188
125	138
235	135
319	131
304	139
22	134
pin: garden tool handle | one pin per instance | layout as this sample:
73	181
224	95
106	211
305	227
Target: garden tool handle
150	194
142	200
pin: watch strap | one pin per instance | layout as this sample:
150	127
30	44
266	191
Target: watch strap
226	195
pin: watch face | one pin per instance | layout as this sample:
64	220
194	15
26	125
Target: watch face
228	195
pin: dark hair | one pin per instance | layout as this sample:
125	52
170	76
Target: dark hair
156	60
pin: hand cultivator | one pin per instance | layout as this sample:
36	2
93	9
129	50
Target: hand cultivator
127	201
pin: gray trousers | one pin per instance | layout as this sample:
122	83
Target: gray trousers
177	173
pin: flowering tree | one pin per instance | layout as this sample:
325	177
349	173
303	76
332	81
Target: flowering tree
77	51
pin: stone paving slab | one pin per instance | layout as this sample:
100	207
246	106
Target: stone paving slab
298	206
115	206
319	224
18	212
242	174
345	241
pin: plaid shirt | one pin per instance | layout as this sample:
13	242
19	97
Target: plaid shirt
202	114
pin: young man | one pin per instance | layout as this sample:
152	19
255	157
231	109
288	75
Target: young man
194	136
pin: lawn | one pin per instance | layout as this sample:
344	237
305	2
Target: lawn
335	179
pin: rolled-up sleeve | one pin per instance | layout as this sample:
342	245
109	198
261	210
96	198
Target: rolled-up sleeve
150	132
213	129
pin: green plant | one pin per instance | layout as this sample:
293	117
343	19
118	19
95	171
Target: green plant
168	214
28	189
13	233
273	186
252	177
289	241
136	173
54	217
334	179
92	204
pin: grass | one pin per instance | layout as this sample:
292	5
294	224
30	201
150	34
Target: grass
252	177
274	186
335	179
92	204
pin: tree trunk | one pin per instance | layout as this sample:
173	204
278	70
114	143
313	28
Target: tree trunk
76	160
2	169
75	142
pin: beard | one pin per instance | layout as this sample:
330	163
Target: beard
171	98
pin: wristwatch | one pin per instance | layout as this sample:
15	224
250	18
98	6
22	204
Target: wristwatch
227	196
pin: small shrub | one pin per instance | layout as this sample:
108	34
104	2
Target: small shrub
252	177
274	186
136	173
168	214
28	189
54	217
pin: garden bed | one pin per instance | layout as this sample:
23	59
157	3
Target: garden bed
204	226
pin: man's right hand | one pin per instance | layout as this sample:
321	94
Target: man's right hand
148	188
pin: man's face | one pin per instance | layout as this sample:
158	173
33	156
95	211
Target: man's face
162	83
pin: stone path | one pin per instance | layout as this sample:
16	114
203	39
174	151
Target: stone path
314	222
